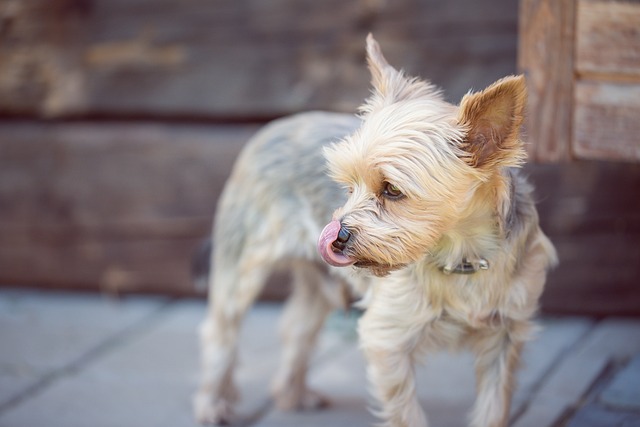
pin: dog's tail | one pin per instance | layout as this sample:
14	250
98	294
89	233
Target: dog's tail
201	266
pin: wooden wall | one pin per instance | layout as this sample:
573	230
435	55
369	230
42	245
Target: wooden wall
236	58
114	206
120	119
591	212
582	60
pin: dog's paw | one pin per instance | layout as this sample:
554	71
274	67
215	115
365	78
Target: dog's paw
294	400
217	413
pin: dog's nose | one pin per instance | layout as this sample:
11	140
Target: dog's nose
341	241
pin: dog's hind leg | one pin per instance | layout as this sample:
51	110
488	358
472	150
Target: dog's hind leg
233	290
304	315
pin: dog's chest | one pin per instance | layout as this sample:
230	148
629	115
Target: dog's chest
473	301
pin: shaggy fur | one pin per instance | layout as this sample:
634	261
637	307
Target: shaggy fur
423	187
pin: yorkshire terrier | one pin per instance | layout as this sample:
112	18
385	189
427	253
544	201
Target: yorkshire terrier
416	205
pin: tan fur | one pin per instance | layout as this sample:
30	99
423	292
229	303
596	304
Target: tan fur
462	200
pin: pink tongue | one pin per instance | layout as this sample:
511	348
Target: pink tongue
327	237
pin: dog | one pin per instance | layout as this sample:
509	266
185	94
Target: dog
417	206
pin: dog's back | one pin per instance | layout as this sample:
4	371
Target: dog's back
278	195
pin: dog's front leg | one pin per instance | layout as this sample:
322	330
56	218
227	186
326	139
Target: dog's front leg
389	346
497	358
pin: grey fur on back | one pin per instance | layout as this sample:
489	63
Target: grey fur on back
258	197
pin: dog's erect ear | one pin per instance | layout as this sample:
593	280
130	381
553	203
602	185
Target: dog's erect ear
381	72
493	118
391	85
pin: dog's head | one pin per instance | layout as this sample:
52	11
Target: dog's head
414	167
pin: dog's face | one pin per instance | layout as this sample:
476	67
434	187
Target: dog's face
413	167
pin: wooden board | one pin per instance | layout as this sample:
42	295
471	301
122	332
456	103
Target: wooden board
545	53
237	59
607	88
608	40
582	60
121	207
606	124
590	212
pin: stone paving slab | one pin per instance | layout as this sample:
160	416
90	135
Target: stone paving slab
43	333
614	401
594	416
145	381
445	382
624	390
572	376
148	380
135	363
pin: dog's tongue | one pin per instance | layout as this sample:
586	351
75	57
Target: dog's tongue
327	237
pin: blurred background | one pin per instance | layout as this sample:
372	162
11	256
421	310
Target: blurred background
120	120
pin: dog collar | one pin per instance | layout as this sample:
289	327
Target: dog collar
466	267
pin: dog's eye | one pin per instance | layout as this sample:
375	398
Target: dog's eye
390	191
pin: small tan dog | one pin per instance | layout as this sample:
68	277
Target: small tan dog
430	201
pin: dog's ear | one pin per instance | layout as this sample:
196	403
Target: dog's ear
391	85
382	74
493	118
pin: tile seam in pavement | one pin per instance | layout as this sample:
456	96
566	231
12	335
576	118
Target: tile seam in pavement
538	385
110	343
589	395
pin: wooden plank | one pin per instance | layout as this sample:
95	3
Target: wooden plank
582	211
575	199
545	55
158	58
597	275
110	266
606	124
112	174
120	207
608	39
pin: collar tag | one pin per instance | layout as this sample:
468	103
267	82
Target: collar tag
466	267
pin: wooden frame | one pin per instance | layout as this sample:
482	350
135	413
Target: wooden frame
582	61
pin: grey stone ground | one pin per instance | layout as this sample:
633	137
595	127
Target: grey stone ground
85	360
